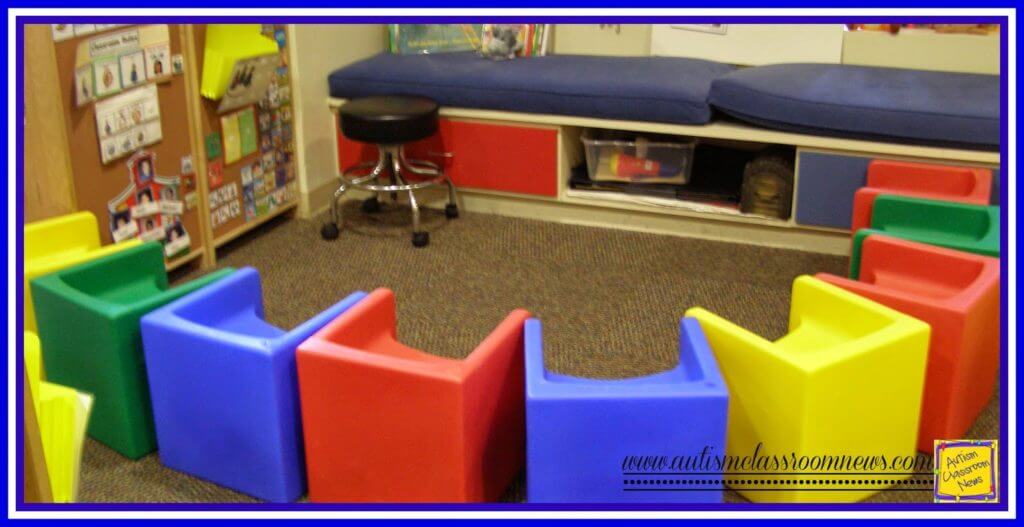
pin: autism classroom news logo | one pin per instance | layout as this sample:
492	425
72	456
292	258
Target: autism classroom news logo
965	471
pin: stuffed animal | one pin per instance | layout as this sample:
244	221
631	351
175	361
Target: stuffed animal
502	41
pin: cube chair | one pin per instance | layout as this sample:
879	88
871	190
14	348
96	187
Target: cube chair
224	389
956	293
581	433
60	416
969	228
919	180
386	422
59	243
845	381
89	326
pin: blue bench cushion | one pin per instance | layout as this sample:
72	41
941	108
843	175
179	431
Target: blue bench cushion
865	102
663	89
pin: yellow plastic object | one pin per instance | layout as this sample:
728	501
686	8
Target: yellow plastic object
63	414
846	381
58	243
225	45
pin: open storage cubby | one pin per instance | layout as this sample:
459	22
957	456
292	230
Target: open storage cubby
704	175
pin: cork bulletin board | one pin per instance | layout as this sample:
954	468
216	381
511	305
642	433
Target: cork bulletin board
148	182
248	157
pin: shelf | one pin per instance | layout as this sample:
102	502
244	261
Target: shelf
182	260
248	226
667	206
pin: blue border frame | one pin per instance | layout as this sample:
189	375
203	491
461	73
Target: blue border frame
20	219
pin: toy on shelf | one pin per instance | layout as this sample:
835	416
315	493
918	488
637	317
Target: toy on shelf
919	180
88	319
958	295
582	433
969	228
223	385
58	243
846	379
386	422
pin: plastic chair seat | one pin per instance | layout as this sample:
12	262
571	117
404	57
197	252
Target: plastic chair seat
956	293
846	380
918	180
223	383
59	243
385	422
88	318
580	432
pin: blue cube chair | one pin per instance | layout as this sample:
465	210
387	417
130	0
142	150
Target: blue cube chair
224	390
591	440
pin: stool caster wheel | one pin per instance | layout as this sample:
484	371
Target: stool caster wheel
420	239
329	231
371	205
451	211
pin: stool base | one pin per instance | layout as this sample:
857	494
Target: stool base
391	160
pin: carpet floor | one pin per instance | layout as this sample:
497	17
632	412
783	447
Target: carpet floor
610	301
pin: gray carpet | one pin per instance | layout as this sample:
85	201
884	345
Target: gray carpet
610	302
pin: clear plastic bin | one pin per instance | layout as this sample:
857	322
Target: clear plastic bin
615	156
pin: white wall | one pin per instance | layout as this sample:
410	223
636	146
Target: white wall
602	39
751	44
316	51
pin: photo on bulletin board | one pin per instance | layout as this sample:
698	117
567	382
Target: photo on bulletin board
107	72
150	229
133	68
141	167
158	61
84	85
121	225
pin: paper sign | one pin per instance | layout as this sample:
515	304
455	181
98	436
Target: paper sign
250	79
232	139
127	122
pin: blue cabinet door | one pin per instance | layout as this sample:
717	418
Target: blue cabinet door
826	184
825	188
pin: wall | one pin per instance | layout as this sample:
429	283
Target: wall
925	50
607	39
316	51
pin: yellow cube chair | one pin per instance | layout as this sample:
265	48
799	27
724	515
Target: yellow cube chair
62	414
846	381
58	243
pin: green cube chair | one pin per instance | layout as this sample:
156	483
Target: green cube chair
88	318
960	226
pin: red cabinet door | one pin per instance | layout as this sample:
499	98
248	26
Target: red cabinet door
507	158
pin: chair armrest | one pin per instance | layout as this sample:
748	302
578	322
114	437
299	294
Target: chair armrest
164	319
303	331
870	291
533	353
365	321
724	335
146	305
47	266
54	286
505	340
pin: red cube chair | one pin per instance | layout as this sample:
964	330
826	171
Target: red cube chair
957	293
388	423
948	183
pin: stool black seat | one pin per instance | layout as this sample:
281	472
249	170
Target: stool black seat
389	120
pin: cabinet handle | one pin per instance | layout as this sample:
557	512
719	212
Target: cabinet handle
447	155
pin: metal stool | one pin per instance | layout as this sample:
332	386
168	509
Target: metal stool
389	122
